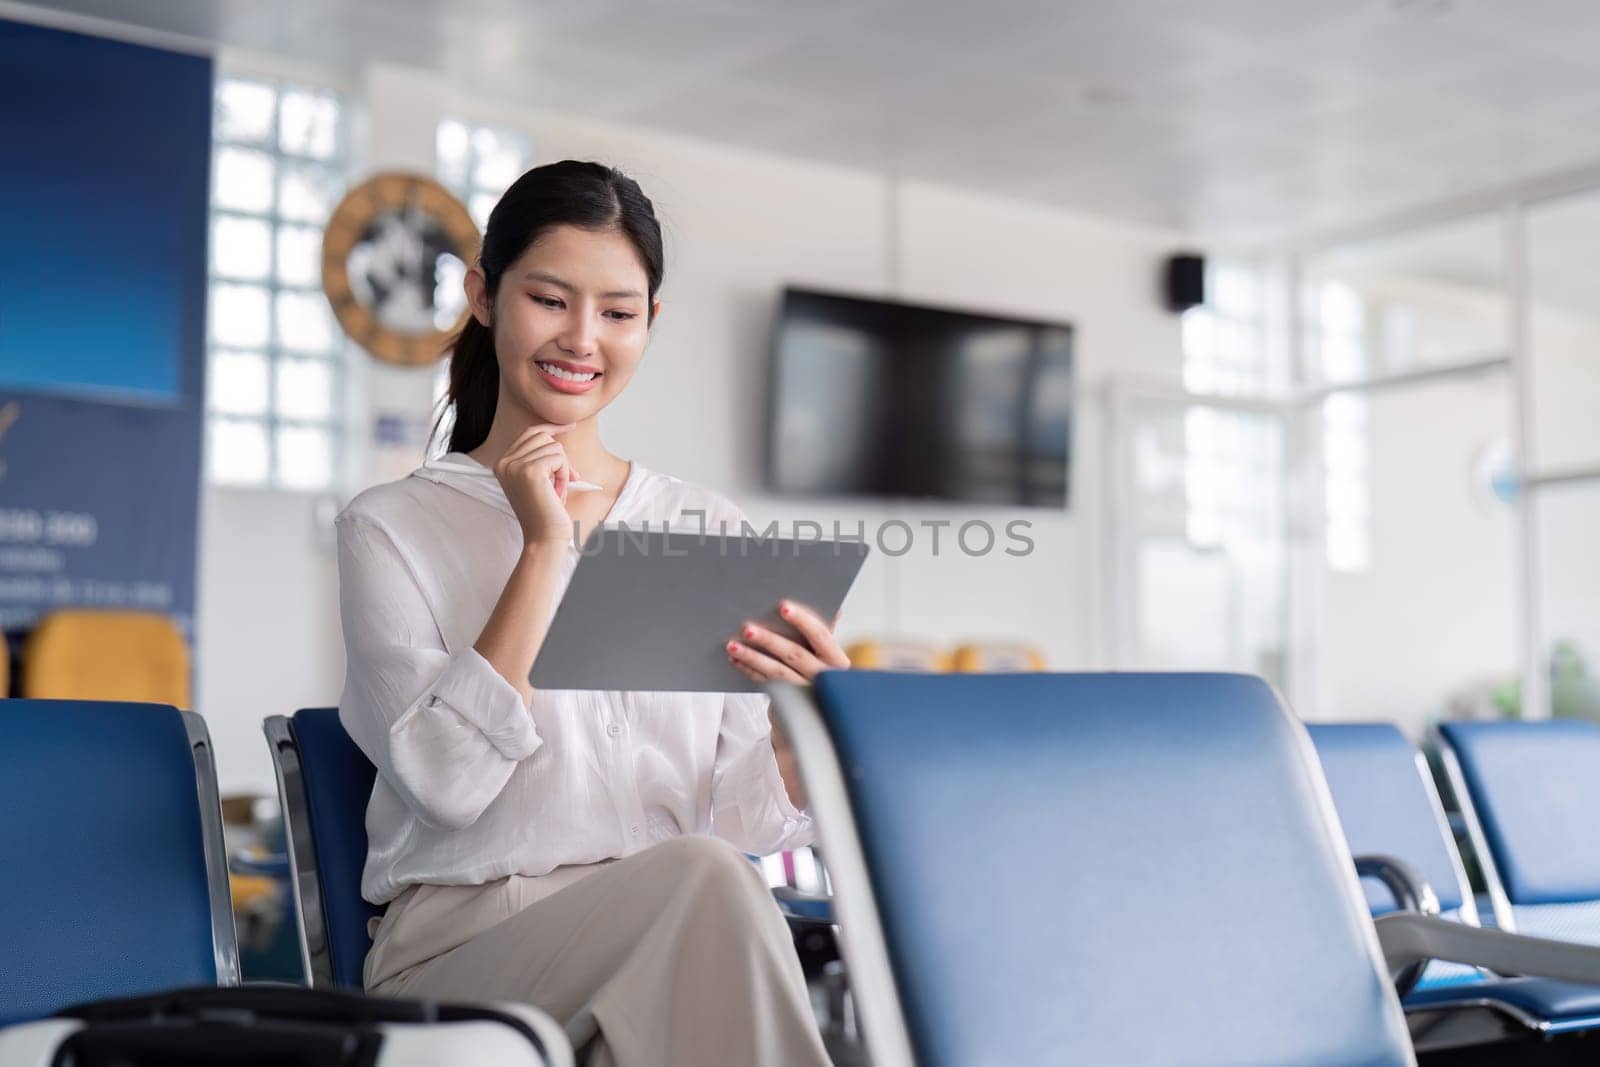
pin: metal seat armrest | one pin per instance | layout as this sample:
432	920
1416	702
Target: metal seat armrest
1411	890
1413	895
1407	937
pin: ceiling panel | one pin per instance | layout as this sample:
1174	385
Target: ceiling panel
1229	118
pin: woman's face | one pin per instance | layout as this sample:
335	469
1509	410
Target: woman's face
569	322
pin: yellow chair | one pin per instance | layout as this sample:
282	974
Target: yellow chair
106	655
979	658
891	655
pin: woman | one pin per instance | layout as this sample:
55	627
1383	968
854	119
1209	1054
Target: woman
556	847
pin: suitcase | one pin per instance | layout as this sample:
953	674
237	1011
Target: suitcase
261	1025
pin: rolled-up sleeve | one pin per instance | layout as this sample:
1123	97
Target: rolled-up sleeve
445	731
750	806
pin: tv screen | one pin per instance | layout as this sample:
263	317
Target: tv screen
871	398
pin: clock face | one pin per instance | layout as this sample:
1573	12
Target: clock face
393	258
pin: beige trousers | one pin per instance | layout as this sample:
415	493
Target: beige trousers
675	955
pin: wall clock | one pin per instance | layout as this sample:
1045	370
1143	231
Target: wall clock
394	254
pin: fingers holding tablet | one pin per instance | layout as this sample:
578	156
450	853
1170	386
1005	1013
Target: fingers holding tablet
762	655
818	634
767	666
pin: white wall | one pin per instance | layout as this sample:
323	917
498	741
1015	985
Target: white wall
739	225
267	622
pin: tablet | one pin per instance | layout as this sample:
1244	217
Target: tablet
653	609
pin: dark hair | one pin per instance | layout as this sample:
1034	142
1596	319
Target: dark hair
571	193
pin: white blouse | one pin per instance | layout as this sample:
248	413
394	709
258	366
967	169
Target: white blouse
472	785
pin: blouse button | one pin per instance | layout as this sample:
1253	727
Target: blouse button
613	729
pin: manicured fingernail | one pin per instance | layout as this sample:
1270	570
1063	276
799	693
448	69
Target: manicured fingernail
733	646
749	631
783	607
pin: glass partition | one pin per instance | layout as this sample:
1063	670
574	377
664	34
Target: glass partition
1563	358
1404	357
1568	565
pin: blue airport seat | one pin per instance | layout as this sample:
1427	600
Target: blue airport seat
1388	805
1543	1006
325	783
1148	866
804	908
116	879
1529	792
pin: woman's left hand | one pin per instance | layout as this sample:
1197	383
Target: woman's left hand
763	655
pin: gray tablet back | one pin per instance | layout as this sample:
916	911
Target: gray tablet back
652	610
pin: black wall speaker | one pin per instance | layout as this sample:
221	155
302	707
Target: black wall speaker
1185	283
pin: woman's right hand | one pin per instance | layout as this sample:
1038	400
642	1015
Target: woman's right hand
534	473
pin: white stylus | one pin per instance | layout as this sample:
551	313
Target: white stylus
581	485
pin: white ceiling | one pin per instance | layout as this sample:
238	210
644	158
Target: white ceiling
1227	118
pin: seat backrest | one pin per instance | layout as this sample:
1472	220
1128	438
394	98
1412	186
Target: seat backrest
1147	867
1532	791
1388	806
335	785
116	881
106	655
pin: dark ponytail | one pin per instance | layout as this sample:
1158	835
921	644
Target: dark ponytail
570	193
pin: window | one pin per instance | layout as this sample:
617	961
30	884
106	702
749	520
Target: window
1232	571
1338	347
1230	344
1233	458
477	163
274	351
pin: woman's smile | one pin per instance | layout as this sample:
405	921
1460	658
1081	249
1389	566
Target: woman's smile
564	379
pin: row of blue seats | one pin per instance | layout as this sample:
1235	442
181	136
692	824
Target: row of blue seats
1152	870
113	830
1151	867
1526	794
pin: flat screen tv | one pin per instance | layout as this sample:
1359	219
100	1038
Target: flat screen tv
880	399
